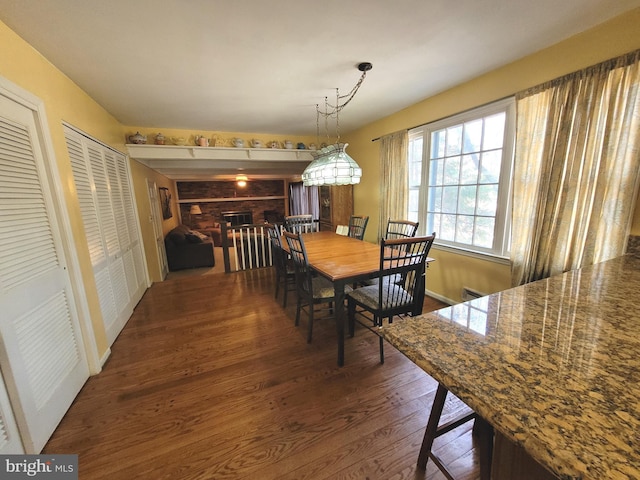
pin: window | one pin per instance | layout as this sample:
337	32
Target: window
460	178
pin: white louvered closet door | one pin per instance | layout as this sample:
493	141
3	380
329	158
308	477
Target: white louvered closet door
41	353
108	211
10	442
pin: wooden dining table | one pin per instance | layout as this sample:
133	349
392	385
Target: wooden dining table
342	260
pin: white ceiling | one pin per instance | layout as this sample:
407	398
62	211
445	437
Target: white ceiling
261	67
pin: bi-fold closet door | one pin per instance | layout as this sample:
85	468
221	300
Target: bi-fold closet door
42	357
103	186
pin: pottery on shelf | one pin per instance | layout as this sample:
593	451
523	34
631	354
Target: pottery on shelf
159	139
238	142
178	140
202	141
288	144
138	139
301	146
255	143
274	144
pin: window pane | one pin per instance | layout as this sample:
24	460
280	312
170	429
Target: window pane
487	200
435	199
483	234
454	140
449	199
451	171
472	136
464	229
415	149
433	223
438	144
448	227
469	170
490	171
414	200
467	200
415	173
436	172
494	131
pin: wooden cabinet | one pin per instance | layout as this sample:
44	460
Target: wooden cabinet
336	206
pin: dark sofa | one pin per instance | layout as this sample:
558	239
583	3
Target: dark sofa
188	248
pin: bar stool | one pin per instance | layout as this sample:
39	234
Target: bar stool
481	430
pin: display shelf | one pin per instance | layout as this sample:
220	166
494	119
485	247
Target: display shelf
187	152
183	162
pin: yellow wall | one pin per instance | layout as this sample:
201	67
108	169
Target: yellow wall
140	174
450	272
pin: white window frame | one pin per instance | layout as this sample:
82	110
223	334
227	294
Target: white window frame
502	230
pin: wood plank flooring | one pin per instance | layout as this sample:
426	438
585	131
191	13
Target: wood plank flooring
210	379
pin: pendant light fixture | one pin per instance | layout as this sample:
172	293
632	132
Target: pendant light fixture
332	165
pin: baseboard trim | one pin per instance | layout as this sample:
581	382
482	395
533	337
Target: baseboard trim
105	357
439	297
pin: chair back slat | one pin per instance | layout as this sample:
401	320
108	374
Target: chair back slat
400	229
300	224
298	254
401	277
277	252
357	226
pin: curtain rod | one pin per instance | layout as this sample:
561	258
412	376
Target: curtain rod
442	118
627	57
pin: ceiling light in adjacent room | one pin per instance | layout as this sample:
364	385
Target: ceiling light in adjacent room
241	180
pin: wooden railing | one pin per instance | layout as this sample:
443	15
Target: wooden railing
245	247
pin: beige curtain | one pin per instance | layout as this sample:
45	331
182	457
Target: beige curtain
394	180
576	169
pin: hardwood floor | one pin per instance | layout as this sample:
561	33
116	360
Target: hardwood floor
210	379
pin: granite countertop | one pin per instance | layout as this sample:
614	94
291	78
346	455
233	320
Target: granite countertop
553	365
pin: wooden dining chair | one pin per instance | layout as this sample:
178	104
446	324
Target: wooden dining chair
357	226
400	229
396	229
312	289
285	273
300	224
399	288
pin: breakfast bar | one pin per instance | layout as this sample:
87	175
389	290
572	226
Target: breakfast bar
553	366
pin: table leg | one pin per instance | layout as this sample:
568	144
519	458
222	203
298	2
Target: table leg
340	314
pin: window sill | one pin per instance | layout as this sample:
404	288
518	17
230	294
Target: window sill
471	253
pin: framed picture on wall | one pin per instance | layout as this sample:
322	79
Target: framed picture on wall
165	202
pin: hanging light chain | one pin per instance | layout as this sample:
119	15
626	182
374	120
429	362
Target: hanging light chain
326	120
338	106
338	117
317	125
